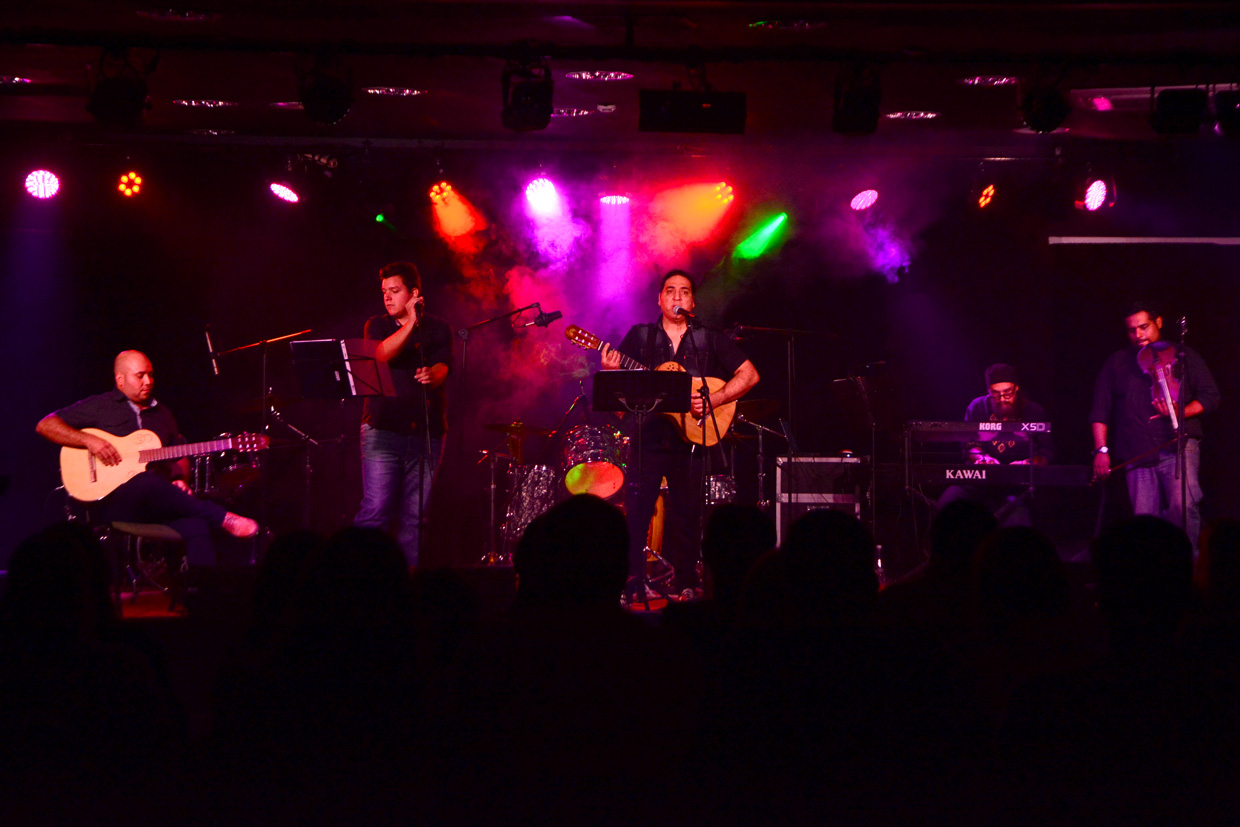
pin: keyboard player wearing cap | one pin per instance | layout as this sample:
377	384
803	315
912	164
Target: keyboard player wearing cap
1003	402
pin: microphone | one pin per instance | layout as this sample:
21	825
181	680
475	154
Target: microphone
215	366
544	319
680	311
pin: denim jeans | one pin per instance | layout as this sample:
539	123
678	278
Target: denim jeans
392	493
1155	490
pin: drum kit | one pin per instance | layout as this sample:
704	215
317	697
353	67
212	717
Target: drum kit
589	459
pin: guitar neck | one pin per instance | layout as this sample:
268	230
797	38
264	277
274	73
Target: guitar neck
187	450
626	362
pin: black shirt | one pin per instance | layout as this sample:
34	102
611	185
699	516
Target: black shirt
1123	402
429	344
703	352
112	412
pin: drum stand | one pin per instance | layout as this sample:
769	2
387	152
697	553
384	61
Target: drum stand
492	557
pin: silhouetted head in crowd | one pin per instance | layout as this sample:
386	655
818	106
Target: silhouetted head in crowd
736	536
575	554
1145	567
360	578
956	533
58	582
830	564
1218	566
282	572
1019	576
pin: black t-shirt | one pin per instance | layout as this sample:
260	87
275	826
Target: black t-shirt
429	344
703	352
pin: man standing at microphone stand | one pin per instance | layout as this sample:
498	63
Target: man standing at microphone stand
402	436
665	452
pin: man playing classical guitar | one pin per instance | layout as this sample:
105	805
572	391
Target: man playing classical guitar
159	494
665	453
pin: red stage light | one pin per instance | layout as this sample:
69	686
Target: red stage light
130	184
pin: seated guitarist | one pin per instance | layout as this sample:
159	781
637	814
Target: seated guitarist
159	494
665	452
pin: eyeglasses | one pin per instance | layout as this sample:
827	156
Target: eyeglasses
1004	395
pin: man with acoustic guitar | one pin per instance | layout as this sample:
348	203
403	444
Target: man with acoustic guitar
666	452
157	494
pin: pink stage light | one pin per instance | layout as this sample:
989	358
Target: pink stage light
614	200
1095	194
543	198
864	200
42	183
284	192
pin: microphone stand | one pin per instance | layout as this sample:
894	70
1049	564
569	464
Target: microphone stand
789	335
464	334
708	412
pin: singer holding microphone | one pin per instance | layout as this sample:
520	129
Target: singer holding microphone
402	436
676	337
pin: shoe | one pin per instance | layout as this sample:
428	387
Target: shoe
239	526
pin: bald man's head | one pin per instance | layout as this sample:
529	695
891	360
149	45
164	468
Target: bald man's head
134	376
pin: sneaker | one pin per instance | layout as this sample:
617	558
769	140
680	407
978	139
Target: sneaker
239	526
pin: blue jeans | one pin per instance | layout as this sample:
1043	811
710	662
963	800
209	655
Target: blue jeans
1155	490
392	493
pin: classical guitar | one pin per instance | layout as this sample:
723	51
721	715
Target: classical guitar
87	479
700	432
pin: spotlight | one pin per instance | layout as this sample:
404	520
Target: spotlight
119	95
284	192
864	200
614	200
1227	108
326	90
42	183
983	190
1044	107
441	192
857	96
724	193
130	184
1096	193
543	198
760	241
1179	111
527	86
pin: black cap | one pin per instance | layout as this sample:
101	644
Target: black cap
1000	372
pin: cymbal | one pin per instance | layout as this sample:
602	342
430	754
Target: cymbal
517	429
757	408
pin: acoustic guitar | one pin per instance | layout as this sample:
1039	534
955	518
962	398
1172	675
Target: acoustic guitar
87	479
697	431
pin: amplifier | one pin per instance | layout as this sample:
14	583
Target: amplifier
804	483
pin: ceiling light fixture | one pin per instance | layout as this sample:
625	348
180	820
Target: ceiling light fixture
569	112
1178	111
856	100
1043	106
119	94
204	104
912	115
603	76
526	87
325	89
394	91
989	80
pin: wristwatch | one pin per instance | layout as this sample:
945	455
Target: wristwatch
1103	450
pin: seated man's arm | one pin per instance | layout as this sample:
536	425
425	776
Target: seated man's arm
54	429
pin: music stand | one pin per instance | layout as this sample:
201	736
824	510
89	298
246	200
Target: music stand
340	369
641	393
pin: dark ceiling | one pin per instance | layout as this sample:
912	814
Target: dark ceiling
784	56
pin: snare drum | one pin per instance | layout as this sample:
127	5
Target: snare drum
535	488
594	460
720	488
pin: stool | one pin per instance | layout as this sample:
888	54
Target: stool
130	565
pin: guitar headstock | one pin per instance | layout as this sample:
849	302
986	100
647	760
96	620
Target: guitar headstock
582	338
247	443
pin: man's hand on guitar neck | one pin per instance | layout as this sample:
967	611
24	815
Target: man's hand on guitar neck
611	357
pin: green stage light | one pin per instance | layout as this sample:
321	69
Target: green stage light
379	219
758	243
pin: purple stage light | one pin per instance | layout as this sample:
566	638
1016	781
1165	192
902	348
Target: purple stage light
284	192
864	200
1095	194
42	183
614	200
543	198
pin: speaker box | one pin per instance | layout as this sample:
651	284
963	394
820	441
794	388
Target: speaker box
805	483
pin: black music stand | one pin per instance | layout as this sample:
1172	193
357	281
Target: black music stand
340	369
641	393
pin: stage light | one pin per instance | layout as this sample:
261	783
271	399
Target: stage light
986	196
1179	111
543	198
284	192
527	86
1227	109
380	218
130	184
760	241
326	89
864	200
454	216
1096	196
1043	107
119	94
42	183
856	100
724	193
614	200
441	192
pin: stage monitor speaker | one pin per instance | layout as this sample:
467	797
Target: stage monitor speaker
678	111
806	483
